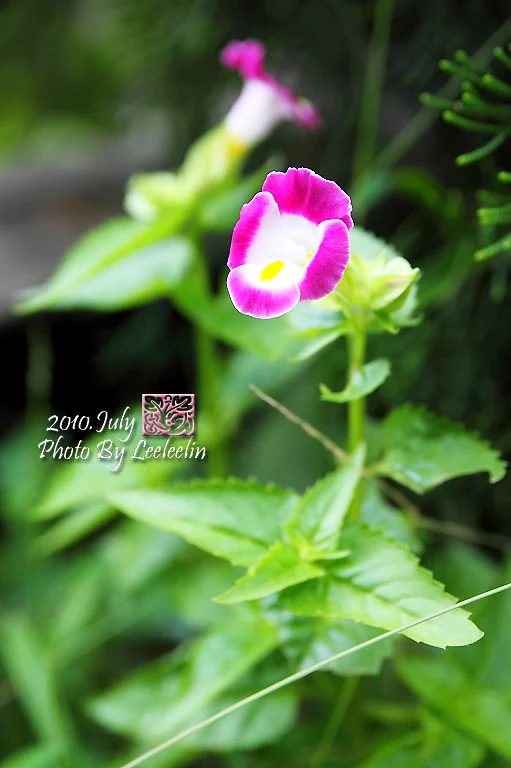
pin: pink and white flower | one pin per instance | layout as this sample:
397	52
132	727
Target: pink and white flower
263	101
290	244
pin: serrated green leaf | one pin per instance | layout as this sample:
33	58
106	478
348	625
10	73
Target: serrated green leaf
235	520
307	640
484	714
382	585
316	522
279	568
423	451
160	699
361	383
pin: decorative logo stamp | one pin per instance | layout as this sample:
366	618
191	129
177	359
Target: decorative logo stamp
169	415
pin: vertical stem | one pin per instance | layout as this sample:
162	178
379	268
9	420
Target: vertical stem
38	377
208	395
373	84
356	408
208	401
327	740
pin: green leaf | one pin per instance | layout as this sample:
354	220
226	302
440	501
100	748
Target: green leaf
32	757
73	527
30	674
252	726
78	482
361	383
242	369
69	610
134	554
316	522
370	247
423	451
98	250
378	514
307	640
446	748
162	698
289	336
484	714
139	278
194	586
382	585
235	520
494	668
467	570
279	568
376	277
315	343
220	212
270	339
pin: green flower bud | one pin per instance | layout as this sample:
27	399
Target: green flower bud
212	163
378	279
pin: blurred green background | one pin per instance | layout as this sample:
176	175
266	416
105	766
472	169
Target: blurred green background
96	90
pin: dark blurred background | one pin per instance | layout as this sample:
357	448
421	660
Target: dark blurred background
95	90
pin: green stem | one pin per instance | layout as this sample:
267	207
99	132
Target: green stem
373	86
208	401
356	408
39	368
332	727
208	395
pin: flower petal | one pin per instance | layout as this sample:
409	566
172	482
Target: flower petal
248	58
246	229
327	266
262	298
245	57
306	114
303	192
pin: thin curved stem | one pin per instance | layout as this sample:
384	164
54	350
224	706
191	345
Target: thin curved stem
304	673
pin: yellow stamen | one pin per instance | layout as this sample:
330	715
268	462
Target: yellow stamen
272	270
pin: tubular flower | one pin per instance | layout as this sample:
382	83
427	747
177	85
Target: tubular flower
290	243
263	101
